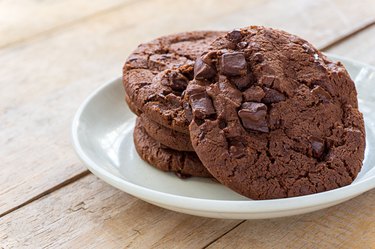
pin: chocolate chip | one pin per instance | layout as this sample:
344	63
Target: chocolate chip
321	93
258	57
254	93
234	35
173	100
272	96
187	71
253	116
179	85
242	82
201	105
267	80
179	82
236	149
233	64
156	97
188	113
308	49
208	57
318	147
203	70
222	124
173	79
242	45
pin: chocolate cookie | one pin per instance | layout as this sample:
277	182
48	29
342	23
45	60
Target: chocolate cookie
131	106
157	72
272	117
167	137
184	164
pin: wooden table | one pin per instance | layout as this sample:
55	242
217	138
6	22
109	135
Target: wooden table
54	53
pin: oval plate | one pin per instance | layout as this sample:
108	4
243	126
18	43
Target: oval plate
102	133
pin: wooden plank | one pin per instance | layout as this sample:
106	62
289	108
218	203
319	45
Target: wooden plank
20	20
91	214
38	102
359	47
320	22
43	81
348	225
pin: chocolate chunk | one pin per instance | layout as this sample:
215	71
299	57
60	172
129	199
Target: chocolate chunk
201	105
321	93
233	64
318	147
258	57
254	93
242	82
236	149
272	96
173	100
207	57
253	116
222	124
173	80
308	49
242	45
234	35
267	80
177	81
179	84
188	113
202	70
156	97
187	71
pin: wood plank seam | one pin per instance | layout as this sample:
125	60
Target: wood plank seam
349	35
48	191
69	24
216	239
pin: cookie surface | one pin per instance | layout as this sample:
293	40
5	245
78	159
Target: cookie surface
131	106
157	72
167	137
272	117
184	164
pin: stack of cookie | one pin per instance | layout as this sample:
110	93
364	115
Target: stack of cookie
156	75
260	110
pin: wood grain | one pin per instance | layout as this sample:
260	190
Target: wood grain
44	80
21	20
38	102
349	225
92	214
321	22
359	47
45	75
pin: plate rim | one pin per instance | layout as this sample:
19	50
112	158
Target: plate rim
200	204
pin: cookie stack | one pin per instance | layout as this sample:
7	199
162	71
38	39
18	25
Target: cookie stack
260	110
155	77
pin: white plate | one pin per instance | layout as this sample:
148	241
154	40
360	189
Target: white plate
102	136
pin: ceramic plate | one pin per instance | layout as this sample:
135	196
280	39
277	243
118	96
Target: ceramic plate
102	136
